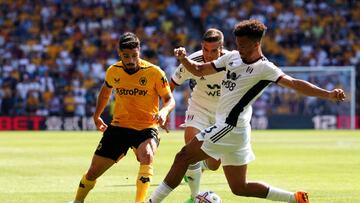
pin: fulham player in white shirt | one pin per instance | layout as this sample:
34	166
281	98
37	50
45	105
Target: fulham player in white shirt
248	73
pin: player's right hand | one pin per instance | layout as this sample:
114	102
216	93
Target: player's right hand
180	53
100	124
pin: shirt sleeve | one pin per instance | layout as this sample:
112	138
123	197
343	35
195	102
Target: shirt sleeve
161	84
180	75
109	79
220	63
273	73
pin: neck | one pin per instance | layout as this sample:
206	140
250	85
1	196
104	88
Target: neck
131	70
253	57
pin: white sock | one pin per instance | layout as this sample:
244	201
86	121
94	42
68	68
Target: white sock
277	194
193	175
204	165
160	193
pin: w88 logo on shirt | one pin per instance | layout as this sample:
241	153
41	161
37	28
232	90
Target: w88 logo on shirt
229	84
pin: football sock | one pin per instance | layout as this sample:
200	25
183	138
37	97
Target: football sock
85	186
143	182
277	194
204	165
193	175
159	194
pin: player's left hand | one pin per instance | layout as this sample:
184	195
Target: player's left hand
161	118
337	95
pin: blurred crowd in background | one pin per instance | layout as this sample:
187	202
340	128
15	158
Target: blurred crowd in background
54	53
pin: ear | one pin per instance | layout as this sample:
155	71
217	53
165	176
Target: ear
119	54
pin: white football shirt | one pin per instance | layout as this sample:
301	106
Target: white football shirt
206	92
242	84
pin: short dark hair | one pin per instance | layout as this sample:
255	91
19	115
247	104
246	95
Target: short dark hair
254	29
129	40
213	35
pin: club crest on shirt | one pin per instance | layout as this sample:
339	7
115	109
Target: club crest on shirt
232	75
142	81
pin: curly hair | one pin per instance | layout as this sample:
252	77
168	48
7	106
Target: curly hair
254	29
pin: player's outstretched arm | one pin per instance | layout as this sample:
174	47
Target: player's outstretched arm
198	69
308	89
101	103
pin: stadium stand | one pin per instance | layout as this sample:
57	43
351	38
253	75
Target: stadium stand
53	54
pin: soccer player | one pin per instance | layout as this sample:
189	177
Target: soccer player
202	104
138	86
248	73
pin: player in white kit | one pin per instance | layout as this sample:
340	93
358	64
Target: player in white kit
248	73
202	104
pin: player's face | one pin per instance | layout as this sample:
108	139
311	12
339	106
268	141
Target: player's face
211	50
246	47
130	57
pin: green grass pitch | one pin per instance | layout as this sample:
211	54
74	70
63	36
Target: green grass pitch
45	167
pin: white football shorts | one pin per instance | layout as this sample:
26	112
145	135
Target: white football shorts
198	117
229	144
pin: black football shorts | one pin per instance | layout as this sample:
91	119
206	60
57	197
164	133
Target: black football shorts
116	141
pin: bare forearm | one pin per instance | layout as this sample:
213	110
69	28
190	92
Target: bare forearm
191	66
309	89
168	105
100	106
101	103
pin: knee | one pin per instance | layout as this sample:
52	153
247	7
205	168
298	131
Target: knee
213	166
182	157
146	158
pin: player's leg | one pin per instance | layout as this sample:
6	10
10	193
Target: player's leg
111	149
98	166
198	118
236	177
190	153
145	153
235	169
193	173
210	164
